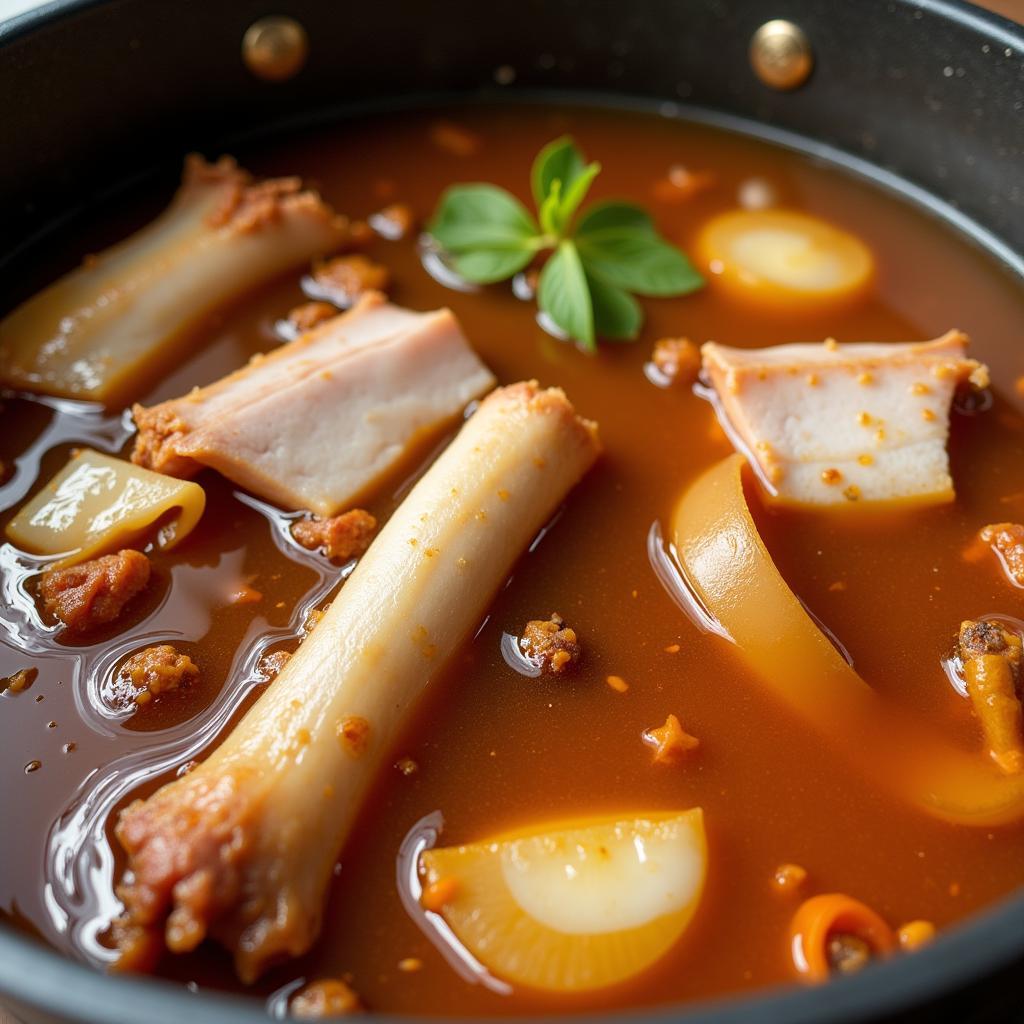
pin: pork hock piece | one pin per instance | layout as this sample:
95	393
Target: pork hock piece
317	422
98	330
833	424
242	848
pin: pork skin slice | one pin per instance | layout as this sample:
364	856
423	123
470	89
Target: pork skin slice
834	424
163	428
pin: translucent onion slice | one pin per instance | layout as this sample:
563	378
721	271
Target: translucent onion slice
575	906
733	575
783	258
97	504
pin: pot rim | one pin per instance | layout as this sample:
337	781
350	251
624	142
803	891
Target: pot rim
39	978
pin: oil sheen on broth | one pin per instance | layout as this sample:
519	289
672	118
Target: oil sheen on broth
495	750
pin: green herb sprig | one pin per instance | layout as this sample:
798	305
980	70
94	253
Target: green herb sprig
598	261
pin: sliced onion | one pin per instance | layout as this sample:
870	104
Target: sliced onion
726	562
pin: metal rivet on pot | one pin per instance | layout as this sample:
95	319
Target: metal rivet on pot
275	48
780	54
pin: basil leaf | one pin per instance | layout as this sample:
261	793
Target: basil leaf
547	213
563	294
486	266
619	244
613	217
576	192
482	217
559	160
617	315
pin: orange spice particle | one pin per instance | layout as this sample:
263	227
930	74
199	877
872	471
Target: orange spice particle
915	934
354	734
410	964
20	681
438	894
831	476
928	415
670	741
789	879
866	459
617	683
244	594
393	222
852	493
681	184
672	649
455	139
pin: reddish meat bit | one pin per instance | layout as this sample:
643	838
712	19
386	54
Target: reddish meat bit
393	222
94	593
678	359
550	643
1007	540
271	664
789	879
344	278
340	537
309	314
157	670
454	139
331	997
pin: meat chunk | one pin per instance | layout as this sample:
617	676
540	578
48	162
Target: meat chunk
94	593
991	657
270	665
1007	541
551	644
315	424
158	670
340	537
393	222
830	424
678	360
305	317
319	1000
345	279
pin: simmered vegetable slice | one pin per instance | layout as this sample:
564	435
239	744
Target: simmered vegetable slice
97	503
784	258
575	906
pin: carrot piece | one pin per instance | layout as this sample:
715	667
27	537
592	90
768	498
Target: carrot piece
820	918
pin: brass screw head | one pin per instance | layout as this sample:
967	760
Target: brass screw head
780	54
275	48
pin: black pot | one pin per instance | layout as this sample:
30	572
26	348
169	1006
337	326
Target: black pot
925	96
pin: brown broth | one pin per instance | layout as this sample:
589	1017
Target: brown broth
496	750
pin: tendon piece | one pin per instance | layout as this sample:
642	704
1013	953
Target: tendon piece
165	427
242	848
323	442
991	657
836	424
104	328
97	503
94	593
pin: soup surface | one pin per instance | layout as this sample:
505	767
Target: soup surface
495	750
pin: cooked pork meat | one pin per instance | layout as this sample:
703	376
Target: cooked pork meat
830	424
